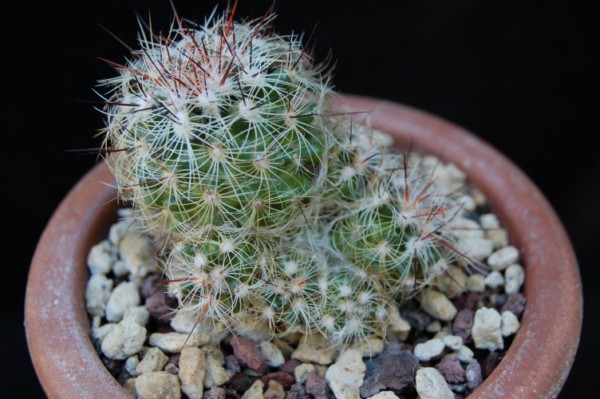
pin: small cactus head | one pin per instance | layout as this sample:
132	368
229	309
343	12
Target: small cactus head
218	126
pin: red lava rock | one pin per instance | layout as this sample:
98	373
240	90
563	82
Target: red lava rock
297	391
290	365
317	386
451	369
394	369
231	363
472	298
248	354
473	374
241	382
462	324
159	308
515	303
284	378
490	362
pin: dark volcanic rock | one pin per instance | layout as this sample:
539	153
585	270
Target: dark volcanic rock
462	324
451	369
394	369
317	386
515	303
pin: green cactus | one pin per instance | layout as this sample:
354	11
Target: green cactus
218	127
271	210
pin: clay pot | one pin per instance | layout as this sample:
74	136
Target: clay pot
536	364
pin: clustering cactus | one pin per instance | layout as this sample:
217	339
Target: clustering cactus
272	210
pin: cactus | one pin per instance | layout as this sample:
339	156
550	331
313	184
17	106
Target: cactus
218	127
271	209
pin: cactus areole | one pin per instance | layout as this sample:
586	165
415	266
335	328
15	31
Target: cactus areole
272	208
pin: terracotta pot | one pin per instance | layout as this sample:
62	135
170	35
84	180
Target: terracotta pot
535	366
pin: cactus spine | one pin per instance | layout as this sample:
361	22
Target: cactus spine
271	211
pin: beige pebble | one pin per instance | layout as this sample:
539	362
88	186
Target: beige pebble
173	342
157	385
255	391
314	349
437	304
486	330
154	360
510	323
192	370
503	257
430	384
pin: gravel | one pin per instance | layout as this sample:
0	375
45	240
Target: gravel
441	344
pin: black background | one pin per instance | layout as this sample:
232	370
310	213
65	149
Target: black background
521	75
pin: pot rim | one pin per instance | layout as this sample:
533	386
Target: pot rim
536	364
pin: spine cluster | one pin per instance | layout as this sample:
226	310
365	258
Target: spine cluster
271	209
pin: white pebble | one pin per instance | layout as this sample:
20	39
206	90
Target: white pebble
216	374
302	371
510	323
486	330
467	202
465	354
477	248
119	268
154	360
123	340
476	283
430	349
384	395
503	257
489	221
137	252
97	293
157	385
99	332
192	371
453	342
348	369
184	322
119	230
101	258
514	277
465	228
131	364
173	342
494	279
272	353
137	314
255	391
437	304
124	296
434	327
430	384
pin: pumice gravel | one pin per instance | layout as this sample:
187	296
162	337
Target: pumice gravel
442	343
